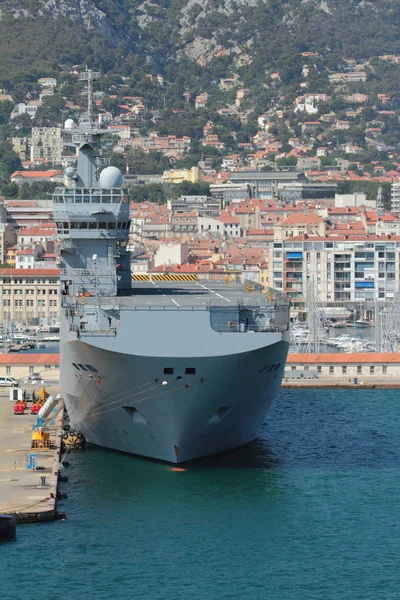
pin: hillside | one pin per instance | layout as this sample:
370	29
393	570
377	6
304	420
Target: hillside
185	38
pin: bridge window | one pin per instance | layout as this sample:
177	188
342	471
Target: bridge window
106	199
102	225
78	199
92	225
111	226
83	225
82	367
91	368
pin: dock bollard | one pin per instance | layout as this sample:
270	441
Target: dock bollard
7	528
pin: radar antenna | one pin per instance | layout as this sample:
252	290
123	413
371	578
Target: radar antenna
89	76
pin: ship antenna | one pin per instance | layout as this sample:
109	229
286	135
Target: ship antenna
89	76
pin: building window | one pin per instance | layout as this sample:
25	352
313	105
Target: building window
359	370
384	370
306	368
31	370
371	369
331	370
344	369
8	370
319	369
47	366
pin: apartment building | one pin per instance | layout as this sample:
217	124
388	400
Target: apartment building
27	213
30	296
265	185
21	146
395	198
205	206
181	175
46	144
8	237
344	270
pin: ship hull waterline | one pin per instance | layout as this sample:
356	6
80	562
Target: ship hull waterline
131	405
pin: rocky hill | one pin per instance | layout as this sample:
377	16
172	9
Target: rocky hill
41	32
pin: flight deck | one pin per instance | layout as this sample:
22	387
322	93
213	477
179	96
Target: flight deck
187	294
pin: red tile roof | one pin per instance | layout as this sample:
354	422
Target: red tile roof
29	272
369	358
30	359
33	174
309	219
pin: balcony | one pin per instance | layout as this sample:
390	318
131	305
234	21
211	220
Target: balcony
342	296
342	286
342	276
342	267
294	270
342	258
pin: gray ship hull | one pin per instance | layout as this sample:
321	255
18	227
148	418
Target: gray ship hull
130	405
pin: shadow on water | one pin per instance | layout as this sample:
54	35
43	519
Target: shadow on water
255	455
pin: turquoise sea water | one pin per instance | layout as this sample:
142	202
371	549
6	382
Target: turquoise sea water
308	512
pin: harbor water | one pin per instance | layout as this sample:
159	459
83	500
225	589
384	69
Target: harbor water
308	512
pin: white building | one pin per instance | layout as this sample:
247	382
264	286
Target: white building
346	270
395	199
357	199
174	253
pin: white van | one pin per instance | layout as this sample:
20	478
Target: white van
8	382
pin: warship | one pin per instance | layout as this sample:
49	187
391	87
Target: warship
156	366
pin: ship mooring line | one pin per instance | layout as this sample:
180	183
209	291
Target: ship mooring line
132	389
142	399
127	395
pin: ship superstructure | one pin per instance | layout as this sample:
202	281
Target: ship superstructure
162	368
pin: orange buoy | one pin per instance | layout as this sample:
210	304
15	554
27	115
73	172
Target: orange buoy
177	469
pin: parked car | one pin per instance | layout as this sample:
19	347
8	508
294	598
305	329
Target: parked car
35	377
8	382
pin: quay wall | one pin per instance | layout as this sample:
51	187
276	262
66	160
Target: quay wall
329	365
371	365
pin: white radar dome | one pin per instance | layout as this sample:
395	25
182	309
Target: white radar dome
70	172
111	177
69	124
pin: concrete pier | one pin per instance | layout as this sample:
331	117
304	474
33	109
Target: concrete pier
28	493
331	382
